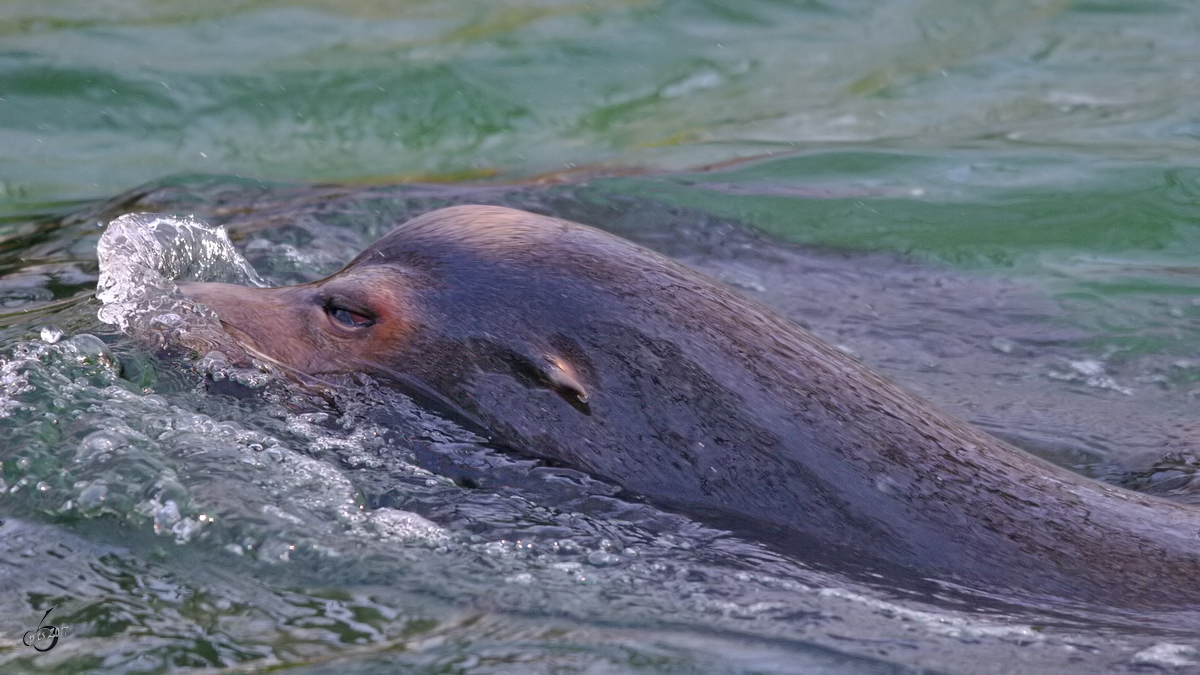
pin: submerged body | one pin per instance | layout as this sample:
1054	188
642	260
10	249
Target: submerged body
585	349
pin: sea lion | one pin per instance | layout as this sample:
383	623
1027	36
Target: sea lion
577	346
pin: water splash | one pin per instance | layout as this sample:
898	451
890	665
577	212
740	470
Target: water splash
142	255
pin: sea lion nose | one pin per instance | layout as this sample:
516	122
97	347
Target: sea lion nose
256	313
197	290
271	322
220	298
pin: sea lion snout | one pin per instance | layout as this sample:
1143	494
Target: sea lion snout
267	322
329	326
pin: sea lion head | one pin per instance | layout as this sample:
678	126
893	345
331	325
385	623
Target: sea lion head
446	293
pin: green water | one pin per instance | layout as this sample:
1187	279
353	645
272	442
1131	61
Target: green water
983	134
1048	146
101	96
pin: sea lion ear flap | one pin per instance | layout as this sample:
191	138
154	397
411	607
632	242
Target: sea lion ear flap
558	375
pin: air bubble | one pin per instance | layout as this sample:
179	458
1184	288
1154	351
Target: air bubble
93	496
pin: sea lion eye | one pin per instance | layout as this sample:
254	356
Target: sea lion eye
349	317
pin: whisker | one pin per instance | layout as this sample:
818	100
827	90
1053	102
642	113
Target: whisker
289	370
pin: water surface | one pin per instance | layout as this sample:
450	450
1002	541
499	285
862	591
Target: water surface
995	205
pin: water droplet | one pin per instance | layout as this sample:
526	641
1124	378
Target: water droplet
90	349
